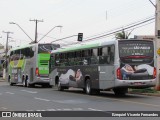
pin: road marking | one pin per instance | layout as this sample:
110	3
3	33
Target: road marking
62	109
146	104
29	91
42	99
10	93
77	109
55	101
4	108
51	110
29	110
66	109
40	110
133	102
59	109
94	109
139	103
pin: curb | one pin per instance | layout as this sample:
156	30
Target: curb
2	80
147	94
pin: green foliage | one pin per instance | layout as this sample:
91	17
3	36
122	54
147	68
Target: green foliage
145	90
122	35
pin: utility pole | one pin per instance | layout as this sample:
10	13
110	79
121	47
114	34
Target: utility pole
157	36
36	21
7	48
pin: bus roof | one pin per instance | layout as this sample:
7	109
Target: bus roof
75	47
28	45
23	46
92	45
83	46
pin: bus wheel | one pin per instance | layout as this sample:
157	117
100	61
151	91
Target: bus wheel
27	83
88	87
10	81
120	91
97	91
11	84
60	88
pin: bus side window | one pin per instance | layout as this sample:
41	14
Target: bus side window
99	51
27	52
112	53
86	59
31	52
11	56
103	55
106	55
17	54
94	57
71	59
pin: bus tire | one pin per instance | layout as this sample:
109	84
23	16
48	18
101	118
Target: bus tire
27	82
11	84
88	88
97	91
120	91
10	81
60	88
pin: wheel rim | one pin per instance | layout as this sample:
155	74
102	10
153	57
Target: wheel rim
27	83
59	85
88	88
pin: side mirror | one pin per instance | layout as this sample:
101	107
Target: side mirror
33	49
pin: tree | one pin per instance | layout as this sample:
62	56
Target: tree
122	35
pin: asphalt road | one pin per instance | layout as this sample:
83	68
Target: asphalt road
18	98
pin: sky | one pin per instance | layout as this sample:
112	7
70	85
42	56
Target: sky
90	17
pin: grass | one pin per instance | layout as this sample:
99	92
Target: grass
145	90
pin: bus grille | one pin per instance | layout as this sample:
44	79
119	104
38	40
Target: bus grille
44	62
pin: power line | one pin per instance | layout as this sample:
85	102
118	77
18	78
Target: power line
112	32
64	38
121	27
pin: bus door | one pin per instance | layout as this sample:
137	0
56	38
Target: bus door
16	75
106	67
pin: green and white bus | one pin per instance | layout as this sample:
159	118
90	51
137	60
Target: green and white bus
114	64
29	64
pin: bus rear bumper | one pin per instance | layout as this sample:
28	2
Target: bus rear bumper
41	80
135	83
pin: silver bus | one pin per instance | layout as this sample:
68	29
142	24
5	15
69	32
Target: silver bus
114	64
29	64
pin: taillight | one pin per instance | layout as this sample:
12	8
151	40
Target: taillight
119	75
37	72
154	73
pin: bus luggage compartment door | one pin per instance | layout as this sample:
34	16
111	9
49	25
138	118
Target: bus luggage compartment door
106	77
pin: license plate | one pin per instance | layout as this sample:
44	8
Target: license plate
137	83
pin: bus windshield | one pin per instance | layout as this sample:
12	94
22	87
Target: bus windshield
133	48
43	48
